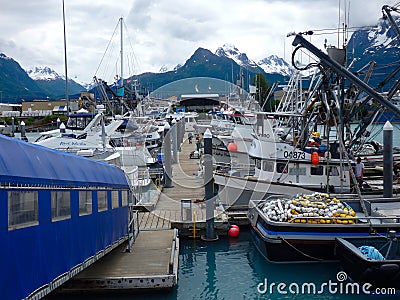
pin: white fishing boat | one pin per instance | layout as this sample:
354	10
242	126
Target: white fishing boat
290	157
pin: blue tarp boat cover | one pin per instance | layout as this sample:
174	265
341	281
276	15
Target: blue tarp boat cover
30	164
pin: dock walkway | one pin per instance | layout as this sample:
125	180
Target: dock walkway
152	263
187	183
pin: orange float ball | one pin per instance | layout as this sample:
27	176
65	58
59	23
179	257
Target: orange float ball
232	147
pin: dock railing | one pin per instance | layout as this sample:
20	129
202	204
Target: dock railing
172	256
133	228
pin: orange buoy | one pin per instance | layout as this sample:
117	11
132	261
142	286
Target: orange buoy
232	147
315	158
234	231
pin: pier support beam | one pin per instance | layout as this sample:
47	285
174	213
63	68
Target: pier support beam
174	132
388	160
180	132
12	126
23	135
182	124
208	189
183	120
167	157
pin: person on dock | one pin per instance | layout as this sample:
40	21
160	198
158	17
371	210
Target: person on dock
190	137
359	172
198	143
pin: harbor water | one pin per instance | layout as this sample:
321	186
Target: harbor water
233	268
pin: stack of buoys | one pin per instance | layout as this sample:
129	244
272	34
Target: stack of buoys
317	208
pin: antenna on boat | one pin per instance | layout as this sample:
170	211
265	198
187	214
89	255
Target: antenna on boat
65	60
338	29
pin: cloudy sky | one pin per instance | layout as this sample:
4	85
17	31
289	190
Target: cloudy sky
164	32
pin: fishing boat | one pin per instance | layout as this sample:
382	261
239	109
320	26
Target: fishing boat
374	260
305	228
286	164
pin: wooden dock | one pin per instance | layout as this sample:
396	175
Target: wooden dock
152	264
187	184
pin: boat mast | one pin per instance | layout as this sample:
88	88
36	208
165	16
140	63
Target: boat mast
122	58
65	61
122	49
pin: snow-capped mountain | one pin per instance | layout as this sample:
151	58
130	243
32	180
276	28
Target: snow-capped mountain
5	57
378	43
371	40
230	51
52	82
271	64
166	68
43	73
275	65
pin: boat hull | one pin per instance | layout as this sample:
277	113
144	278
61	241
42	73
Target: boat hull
379	273
238	191
287	242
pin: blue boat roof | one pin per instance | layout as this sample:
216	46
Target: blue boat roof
22	163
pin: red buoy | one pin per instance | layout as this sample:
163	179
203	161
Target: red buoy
234	231
315	158
232	147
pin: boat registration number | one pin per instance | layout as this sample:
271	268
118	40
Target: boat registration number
294	155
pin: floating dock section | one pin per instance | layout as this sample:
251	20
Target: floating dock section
151	264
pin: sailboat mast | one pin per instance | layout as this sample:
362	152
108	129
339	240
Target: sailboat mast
122	49
65	61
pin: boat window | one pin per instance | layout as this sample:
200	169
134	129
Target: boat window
71	123
268	166
281	168
333	171
22	209
60	205
102	200
85	203
124	198
318	170
297	171
114	199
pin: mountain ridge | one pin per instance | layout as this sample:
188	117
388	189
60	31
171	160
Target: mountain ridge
378	43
